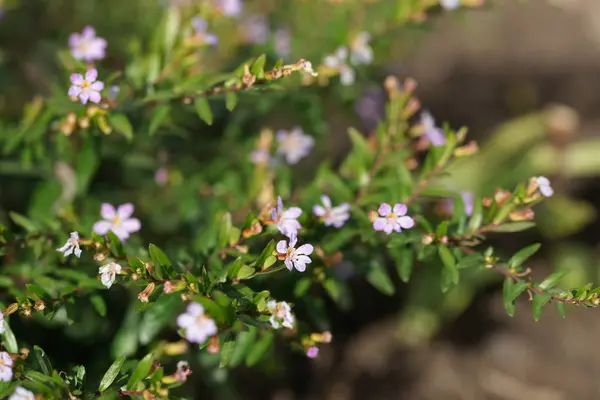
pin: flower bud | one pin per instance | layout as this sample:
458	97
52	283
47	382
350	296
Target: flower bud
84	122
391	84
427	239
466	150
213	345
99	257
145	294
39	305
522	215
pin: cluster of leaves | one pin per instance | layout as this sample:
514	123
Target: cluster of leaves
213	223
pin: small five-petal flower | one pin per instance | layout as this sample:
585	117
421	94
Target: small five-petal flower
295	258
393	219
294	144
281	314
197	326
119	221
360	50
21	393
108	273
200	26
87	46
86	88
332	216
544	186
72	246
339	61
6	364
286	219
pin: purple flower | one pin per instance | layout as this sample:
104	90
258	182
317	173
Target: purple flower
286	219
332	216
294	144
87	46
260	157
231	8
450	4
295	258
370	107
435	135
468	198
119	221
21	393
198	327
360	51
281	314
86	88
544	186
108	273
72	246
312	352
282	43
6	363
200	25
256	28
339	61
393	219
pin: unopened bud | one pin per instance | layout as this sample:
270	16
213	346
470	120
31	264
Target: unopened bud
92	111
327	337
145	294
39	305
444	239
99	257
84	122
391	84
522	215
501	196
135	277
168	287
411	108
373	215
410	85
213	345
427	239
466	150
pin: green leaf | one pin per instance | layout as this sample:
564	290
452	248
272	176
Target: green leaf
231	99
157	317
470	261
267	251
244	341
203	110
245	272
172	23
42	360
116	246
10	341
99	304
121	123
476	215
450	274
87	164
510	291
339	292
259	349
379	278
160	260
224	230
539	301
258	67
553	279
302	287
560	309
226	353
158	116
23	221
111	374
512	227
125	342
522	255
141	371
404	259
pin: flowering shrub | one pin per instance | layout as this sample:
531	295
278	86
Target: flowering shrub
228	255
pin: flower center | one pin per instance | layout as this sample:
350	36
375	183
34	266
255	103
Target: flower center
83	45
391	217
85	84
116	221
290	251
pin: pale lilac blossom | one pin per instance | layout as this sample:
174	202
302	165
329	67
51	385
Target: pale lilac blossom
230	8
468	199
260	157
86	88
295	258
339	61
360	50
200	26
256	28
312	352
118	221
294	144
72	246
108	273
281	314
433	133
370	107
6	364
286	219
450	4
282	42
332	216
21	393
87	46
113	92
544	186
393	219
197	326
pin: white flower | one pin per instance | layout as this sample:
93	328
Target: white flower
332	216
360	51
108	273
281	314
72	246
2	327
393	219
544	186
338	61
22	394
308	68
294	144
198	327
450	4
6	363
295	258
286	219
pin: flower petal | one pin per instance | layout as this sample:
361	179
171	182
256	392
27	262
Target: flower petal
384	209
288	263
74	91
281	247
77	79
84	96
305	249
97	86
300	266
88	32
326	201
406	222
91	75
131	225
318	210
185	320
292	213
107	211
102	227
195	309
400	209
125	211
379	224
95	97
